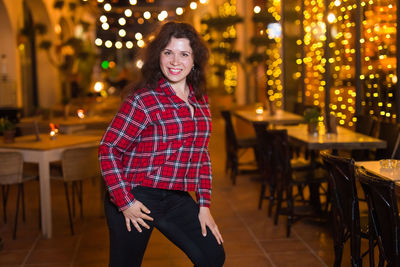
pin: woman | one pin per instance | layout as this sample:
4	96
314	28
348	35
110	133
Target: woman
156	150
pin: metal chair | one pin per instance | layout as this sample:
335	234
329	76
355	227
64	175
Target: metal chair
384	215
77	164
11	173
233	145
347	223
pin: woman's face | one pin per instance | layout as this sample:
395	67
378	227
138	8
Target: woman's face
176	61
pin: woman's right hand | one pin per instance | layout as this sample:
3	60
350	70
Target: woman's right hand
136	214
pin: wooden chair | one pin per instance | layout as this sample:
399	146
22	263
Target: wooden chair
267	166
347	223
77	164
233	145
384	215
287	180
11	173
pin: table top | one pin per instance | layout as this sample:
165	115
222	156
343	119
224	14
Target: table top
344	139
29	142
375	167
69	121
279	117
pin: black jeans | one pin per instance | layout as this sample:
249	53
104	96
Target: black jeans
175	215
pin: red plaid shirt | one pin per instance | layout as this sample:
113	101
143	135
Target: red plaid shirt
153	141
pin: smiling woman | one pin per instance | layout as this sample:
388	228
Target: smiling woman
156	150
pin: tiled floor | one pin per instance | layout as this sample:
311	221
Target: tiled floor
251	238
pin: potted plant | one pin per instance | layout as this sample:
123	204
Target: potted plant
311	117
8	129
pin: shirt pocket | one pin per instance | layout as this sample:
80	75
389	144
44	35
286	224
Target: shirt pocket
170	127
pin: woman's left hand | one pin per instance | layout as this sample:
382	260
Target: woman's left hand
206	220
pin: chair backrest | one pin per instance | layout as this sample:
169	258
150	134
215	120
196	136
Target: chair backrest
265	150
230	136
11	168
365	124
383	212
389	132
280	156
80	163
345	206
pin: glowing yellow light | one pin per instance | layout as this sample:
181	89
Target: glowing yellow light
138	36
98	42
122	33
80	113
331	18
105	26
147	15
203	1
193	5
179	11
118	44
128	13
337	3
107	7
133	2
140	43
257	9
103	19
98	86
108	44
129	45
122	21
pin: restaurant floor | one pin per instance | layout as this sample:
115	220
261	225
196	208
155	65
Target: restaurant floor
251	238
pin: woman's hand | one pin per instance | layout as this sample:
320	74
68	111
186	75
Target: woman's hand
136	214
206	220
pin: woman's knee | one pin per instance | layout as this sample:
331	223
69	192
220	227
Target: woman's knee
215	259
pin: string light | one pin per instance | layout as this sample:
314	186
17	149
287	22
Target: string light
179	11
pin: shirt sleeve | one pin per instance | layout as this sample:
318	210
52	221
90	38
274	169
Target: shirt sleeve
126	126
203	193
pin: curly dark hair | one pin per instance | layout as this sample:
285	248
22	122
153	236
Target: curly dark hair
151	71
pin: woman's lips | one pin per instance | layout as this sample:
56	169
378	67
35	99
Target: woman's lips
174	71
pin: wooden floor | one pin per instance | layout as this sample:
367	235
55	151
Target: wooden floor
251	238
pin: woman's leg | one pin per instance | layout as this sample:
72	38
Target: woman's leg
180	224
126	248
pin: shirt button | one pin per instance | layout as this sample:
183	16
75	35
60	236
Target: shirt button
190	159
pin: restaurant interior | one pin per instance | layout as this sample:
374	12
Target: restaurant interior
305	140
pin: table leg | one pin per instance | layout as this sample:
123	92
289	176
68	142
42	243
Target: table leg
45	195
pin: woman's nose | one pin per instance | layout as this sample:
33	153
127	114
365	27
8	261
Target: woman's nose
174	59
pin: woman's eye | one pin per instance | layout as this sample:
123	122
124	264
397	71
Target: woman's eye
167	53
185	55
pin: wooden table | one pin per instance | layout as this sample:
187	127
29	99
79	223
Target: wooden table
280	117
43	152
374	166
344	139
69	125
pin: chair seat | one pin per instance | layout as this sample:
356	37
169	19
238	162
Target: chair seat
247	142
299	164
308	176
